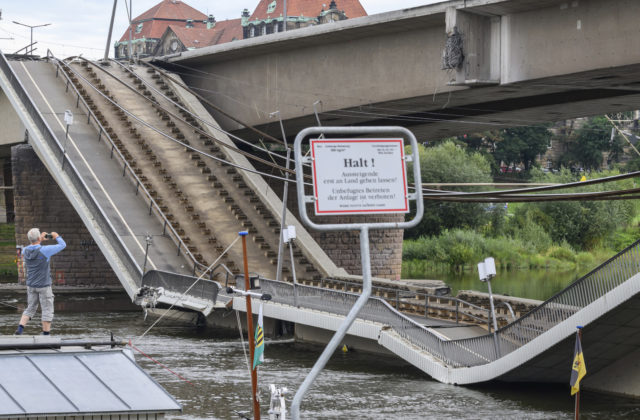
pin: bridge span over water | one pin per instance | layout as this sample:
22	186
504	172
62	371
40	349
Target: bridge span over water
522	62
145	157
110	192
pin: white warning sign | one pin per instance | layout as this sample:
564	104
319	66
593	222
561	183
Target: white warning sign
359	176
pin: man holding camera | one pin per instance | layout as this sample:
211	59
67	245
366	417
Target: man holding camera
36	259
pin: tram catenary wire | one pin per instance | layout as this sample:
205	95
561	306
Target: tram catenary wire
195	116
576	184
200	131
176	140
491	196
247	154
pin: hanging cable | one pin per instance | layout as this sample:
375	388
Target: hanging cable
187	291
187	146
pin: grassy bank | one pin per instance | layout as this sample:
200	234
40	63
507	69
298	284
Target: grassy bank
460	250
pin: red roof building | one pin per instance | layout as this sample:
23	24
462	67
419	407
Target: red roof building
147	29
178	38
269	15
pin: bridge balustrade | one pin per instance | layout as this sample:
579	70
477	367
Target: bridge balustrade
477	350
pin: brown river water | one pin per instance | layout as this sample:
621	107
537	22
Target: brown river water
352	386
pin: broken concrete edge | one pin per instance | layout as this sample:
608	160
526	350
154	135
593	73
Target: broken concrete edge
309	247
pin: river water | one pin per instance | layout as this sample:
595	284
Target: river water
353	385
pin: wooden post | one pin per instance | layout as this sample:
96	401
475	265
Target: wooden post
254	372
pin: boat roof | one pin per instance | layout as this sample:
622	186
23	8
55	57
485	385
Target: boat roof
75	381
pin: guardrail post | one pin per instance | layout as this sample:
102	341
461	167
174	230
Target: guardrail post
457	310
78	101
426	306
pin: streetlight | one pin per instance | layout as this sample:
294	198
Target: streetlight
31	27
487	271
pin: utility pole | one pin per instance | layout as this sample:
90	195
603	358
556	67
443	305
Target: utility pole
113	15
284	26
31	27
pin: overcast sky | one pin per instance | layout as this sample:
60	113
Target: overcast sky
81	26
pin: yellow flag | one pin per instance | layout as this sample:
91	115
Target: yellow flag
579	369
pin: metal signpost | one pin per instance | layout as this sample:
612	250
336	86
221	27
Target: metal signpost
355	176
68	119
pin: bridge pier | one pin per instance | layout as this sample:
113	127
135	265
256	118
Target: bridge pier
39	202
343	248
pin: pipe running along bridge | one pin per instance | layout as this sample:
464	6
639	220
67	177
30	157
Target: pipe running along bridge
145	156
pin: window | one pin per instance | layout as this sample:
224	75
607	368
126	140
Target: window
139	28
272	7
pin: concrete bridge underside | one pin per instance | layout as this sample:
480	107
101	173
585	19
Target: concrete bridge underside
525	62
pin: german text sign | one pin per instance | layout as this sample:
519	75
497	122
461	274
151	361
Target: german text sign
359	176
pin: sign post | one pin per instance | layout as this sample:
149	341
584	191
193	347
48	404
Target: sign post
68	119
355	176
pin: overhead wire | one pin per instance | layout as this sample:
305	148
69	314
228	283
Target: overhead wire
514	195
199	131
160	132
233	148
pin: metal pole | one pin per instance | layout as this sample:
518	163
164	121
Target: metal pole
130	33
31	50
342	331
284	26
493	317
148	238
254	372
293	266
493	313
283	220
113	15
64	147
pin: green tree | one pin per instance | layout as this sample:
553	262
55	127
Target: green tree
522	145
448	162
586	146
583	224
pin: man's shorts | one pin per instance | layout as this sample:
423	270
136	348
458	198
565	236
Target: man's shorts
44	295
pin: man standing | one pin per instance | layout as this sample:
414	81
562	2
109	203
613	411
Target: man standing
36	259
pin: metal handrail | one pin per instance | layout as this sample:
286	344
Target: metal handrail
70	169
153	204
477	350
459	303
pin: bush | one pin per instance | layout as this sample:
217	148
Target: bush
449	162
563	252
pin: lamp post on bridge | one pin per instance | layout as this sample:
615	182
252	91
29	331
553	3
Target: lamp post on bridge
487	271
31	28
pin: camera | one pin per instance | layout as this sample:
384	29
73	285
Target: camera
48	236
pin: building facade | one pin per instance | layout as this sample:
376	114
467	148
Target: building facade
270	16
